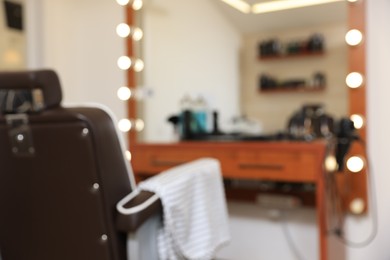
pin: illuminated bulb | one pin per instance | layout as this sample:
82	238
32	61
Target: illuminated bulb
123	30
139	125
330	163
357	120
353	37
137	4
137	34
124	62
354	80
355	164
352	1
357	206
124	93
122	2
128	155
139	65
125	125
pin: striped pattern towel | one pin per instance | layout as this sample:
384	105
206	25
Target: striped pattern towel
195	214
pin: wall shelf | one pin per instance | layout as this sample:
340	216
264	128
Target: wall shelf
300	89
292	55
268	84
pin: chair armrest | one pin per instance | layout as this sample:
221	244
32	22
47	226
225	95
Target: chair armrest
135	209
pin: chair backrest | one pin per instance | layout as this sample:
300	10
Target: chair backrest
61	174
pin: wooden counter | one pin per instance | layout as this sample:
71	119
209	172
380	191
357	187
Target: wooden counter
275	161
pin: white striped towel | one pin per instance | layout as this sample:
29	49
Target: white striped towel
195	219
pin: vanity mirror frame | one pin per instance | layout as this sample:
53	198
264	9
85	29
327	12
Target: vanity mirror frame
352	186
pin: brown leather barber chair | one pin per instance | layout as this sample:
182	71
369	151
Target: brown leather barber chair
62	173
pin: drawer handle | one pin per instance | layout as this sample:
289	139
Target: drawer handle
160	163
255	166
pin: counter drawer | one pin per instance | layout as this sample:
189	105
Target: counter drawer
280	165
151	162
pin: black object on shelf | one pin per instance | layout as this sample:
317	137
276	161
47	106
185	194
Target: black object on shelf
293	83
274	48
269	83
319	80
270	47
316	43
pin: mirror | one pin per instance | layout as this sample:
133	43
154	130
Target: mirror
206	48
355	186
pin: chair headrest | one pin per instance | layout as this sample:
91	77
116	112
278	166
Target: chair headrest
34	90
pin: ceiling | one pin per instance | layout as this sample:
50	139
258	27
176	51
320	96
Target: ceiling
299	17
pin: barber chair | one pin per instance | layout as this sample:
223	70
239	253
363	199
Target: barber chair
62	173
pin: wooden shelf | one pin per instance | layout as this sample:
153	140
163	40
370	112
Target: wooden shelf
292	56
293	87
302	89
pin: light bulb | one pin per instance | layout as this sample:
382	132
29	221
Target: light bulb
124	62
355	164
137	34
330	163
139	125
354	80
122	2
137	4
352	1
139	65
125	125
357	206
123	30
124	93
353	37
358	121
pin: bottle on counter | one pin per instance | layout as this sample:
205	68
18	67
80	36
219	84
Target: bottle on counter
200	114
187	126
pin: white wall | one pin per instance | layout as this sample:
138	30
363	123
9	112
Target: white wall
82	46
189	49
77	38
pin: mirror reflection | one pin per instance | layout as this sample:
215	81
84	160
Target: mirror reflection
247	73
